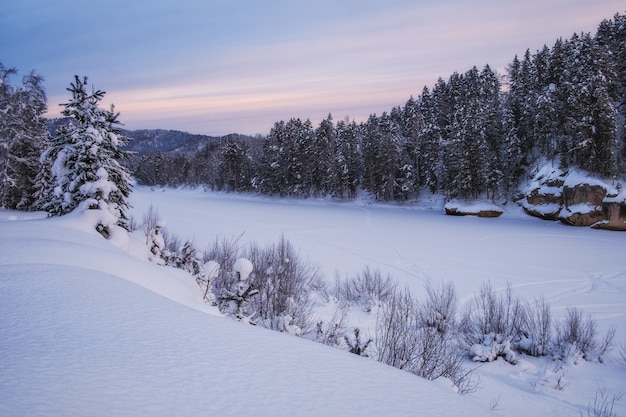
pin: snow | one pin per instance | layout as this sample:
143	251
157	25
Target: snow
243	267
89	327
212	269
582	208
474	207
575	177
544	209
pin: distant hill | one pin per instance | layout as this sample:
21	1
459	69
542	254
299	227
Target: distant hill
150	141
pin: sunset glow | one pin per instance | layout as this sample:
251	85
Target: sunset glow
241	66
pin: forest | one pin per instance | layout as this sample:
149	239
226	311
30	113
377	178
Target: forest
476	134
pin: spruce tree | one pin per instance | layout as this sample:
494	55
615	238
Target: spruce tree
347	160
430	142
84	156
23	134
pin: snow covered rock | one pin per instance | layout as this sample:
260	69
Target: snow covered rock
614	216
576	199
544	196
476	208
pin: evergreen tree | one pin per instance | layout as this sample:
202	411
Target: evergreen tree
491	132
590	124
84	157
286	165
382	157
235	168
323	170
23	134
412	126
611	38
347	160
430	143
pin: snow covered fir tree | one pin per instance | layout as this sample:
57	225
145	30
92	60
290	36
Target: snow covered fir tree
84	161
23	134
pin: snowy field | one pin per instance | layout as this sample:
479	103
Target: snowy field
81	336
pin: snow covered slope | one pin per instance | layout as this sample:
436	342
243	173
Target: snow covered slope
88	328
78	337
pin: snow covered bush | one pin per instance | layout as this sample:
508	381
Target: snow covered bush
576	337
155	241
286	284
224	252
491	324
83	157
212	271
240	295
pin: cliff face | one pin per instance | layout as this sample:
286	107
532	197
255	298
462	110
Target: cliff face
575	199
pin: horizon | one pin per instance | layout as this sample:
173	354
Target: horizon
239	67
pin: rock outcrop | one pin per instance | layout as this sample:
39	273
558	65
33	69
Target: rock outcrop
575	199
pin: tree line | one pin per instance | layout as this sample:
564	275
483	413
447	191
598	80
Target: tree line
476	134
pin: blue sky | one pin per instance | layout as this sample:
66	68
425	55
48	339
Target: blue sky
220	66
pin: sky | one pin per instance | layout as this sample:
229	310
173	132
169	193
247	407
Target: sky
238	66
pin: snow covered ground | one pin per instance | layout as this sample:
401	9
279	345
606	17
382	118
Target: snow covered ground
81	335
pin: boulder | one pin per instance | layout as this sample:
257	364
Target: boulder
583	194
575	199
457	208
544	197
543	211
614	216
581	215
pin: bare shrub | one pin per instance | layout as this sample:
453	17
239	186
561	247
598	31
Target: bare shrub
224	251
133	224
366	289
172	246
356	346
396	331
153	230
602	405
439	309
286	285
491	324
607	344
425	348
622	352
150	219
575	335
332	331
536	328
